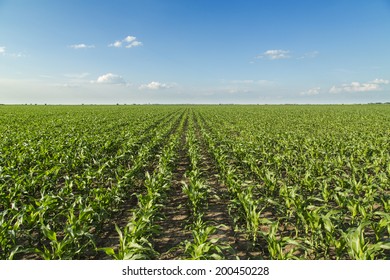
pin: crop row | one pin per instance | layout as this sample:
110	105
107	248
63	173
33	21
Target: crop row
55	207
322	196
301	182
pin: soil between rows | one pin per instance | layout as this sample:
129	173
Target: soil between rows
175	213
176	217
174	225
218	209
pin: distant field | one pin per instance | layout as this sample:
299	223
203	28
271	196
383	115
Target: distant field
195	182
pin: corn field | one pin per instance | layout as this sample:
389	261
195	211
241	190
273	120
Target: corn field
195	182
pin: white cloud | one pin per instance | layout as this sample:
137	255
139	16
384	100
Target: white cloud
285	54
275	54
110	79
128	42
359	87
81	46
8	54
311	92
129	39
155	86
380	81
134	44
116	44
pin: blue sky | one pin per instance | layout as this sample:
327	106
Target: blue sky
194	51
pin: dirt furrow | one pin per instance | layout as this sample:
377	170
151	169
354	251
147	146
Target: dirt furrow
175	214
217	212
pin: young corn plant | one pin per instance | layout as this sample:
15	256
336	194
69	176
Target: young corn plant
135	240
8	235
202	247
132	244
330	236
359	248
196	191
278	246
382	227
250	211
73	240
57	249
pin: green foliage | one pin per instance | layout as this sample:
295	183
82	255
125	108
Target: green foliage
310	182
202	247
